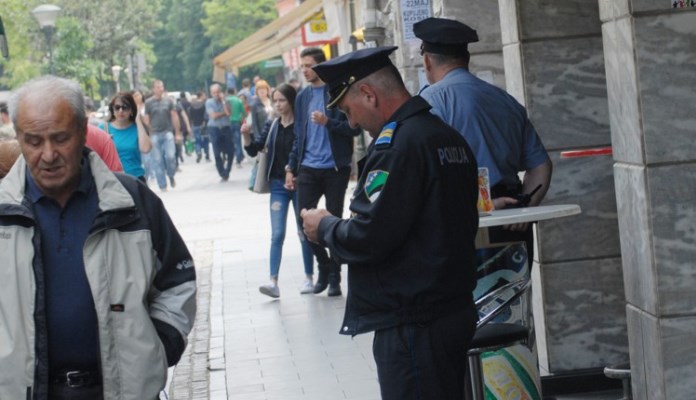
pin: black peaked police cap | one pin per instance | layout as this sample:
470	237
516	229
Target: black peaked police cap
444	36
341	72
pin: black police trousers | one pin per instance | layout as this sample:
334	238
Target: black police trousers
425	361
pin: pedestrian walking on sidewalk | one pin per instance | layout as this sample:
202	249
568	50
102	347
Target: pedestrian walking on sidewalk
199	118
409	244
163	124
320	160
124	125
99	290
277	140
219	130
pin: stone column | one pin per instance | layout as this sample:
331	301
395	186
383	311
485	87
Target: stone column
650	54
554	66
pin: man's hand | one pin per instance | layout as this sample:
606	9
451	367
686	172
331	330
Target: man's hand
503	202
500	203
246	133
289	181
310	222
319	118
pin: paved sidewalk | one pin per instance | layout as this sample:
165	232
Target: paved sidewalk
246	345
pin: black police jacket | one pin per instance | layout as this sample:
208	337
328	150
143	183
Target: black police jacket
410	241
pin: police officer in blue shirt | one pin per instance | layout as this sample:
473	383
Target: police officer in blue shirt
494	124
409	244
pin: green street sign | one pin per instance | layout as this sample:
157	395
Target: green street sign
274	63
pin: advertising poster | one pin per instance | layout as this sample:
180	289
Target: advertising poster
413	11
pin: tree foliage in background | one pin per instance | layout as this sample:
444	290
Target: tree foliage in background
26	43
178	37
183	62
71	55
115	26
228	22
118	29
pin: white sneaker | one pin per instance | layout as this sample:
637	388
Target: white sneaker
270	289
307	287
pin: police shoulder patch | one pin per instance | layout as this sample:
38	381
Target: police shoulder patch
374	183
385	136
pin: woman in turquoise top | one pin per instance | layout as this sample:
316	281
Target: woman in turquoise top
128	133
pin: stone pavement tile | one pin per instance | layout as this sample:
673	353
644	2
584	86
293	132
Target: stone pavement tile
325	391
314	379
285	394
246	396
361	388
242	389
356	375
288	385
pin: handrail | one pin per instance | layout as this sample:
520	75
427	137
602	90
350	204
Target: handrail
518	288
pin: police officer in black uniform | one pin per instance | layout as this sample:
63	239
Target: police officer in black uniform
409	244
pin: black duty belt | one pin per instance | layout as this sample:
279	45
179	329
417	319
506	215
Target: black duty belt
77	379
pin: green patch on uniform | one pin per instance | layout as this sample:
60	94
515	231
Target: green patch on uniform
375	183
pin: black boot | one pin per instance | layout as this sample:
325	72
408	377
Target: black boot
323	279
335	280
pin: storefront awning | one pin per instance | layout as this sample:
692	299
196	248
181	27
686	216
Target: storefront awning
272	40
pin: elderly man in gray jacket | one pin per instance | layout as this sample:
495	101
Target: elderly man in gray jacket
98	287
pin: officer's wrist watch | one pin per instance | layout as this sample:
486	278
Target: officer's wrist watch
288	169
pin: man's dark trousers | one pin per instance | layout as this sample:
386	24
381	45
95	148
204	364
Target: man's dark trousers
423	361
312	183
222	143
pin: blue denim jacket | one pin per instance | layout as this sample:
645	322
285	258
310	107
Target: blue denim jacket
340	133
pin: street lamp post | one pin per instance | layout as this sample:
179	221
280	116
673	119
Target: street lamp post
46	14
116	71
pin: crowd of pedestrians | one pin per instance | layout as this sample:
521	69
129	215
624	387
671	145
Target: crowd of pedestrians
409	244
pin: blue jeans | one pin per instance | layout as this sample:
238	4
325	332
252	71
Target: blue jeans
222	143
146	158
280	201
237	139
163	156
202	142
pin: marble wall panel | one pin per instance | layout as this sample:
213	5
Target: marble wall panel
509	23
481	15
662	363
622	90
678	338
553	18
647	379
489	65
567	92
640	279
588	182
411	80
611	9
585	314
672	191
514	78
666	55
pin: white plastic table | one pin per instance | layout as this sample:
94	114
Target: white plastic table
510	216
